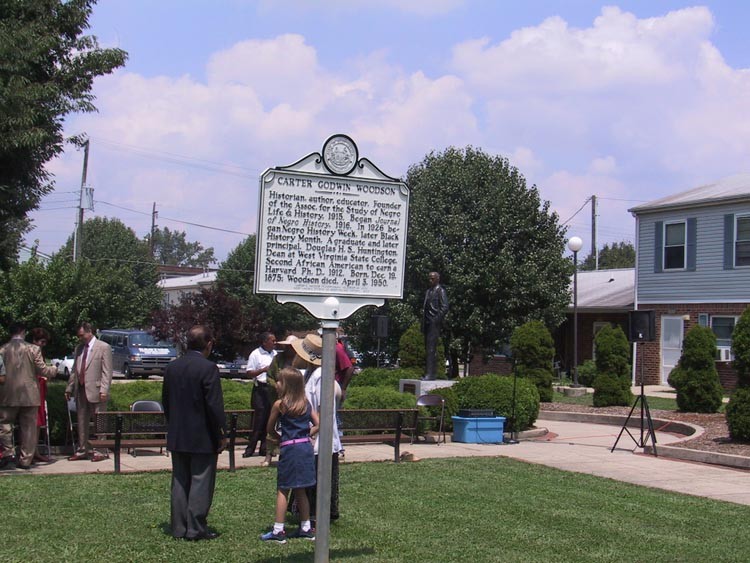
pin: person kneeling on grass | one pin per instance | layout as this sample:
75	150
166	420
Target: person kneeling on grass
296	467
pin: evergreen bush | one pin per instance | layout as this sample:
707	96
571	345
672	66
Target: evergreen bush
540	377
738	415
377	398
495	392
741	349
612	352
612	381
587	373
379	377
411	353
695	378
611	390
533	353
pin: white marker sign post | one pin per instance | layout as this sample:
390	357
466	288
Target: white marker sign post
332	238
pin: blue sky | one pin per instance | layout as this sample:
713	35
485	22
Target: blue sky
629	101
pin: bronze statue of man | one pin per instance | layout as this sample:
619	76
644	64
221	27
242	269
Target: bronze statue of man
435	309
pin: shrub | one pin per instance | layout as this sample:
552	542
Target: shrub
411	353
236	394
540	377
741	349
587	373
611	390
122	395
532	345
57	412
496	392
612	381
378	398
738	415
379	377
533	351
612	352
695	378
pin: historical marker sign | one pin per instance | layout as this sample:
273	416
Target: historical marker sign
331	224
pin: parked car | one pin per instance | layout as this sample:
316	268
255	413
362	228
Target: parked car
138	353
234	368
64	366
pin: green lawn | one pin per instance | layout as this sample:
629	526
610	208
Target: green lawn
656	403
471	509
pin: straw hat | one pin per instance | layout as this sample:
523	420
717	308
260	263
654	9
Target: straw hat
288	340
309	348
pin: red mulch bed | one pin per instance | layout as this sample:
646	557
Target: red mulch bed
714	439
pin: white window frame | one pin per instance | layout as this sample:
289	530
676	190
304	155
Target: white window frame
724	353
682	222
736	242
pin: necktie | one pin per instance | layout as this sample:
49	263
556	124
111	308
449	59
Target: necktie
82	368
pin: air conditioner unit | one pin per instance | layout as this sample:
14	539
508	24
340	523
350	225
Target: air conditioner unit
724	354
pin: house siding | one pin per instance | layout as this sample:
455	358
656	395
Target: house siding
709	282
651	351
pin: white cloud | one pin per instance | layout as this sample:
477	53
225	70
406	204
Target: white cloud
622	108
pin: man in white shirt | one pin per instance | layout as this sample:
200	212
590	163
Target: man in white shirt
257	369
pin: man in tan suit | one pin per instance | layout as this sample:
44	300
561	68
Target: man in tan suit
19	394
89	384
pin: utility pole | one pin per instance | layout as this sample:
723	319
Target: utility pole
154	215
594	251
78	235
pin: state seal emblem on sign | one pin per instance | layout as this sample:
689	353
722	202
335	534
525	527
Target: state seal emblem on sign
340	155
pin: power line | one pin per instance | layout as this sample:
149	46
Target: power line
177	220
576	213
184	160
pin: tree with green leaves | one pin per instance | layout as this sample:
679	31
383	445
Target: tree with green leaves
497	246
172	248
47	71
618	255
237	275
233	329
112	285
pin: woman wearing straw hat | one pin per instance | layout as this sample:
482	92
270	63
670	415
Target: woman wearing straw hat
309	354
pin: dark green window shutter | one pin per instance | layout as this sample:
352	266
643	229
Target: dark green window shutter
692	239
729	242
658	246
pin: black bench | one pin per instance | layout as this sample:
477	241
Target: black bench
115	430
378	425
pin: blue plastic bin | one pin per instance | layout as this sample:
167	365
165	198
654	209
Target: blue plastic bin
484	430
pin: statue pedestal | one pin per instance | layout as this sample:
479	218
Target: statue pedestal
419	387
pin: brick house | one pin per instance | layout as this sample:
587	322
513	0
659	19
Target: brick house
605	297
693	267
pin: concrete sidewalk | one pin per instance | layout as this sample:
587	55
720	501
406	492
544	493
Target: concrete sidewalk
571	446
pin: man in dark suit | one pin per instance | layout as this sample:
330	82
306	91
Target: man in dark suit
89	383
196	428
435	308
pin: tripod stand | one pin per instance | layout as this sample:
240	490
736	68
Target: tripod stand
645	417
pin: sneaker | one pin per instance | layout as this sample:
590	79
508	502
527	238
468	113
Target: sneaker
270	536
308	535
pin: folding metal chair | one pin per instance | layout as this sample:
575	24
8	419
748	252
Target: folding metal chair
147	406
432	400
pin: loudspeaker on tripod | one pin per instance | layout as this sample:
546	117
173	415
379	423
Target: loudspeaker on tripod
379	326
642	326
